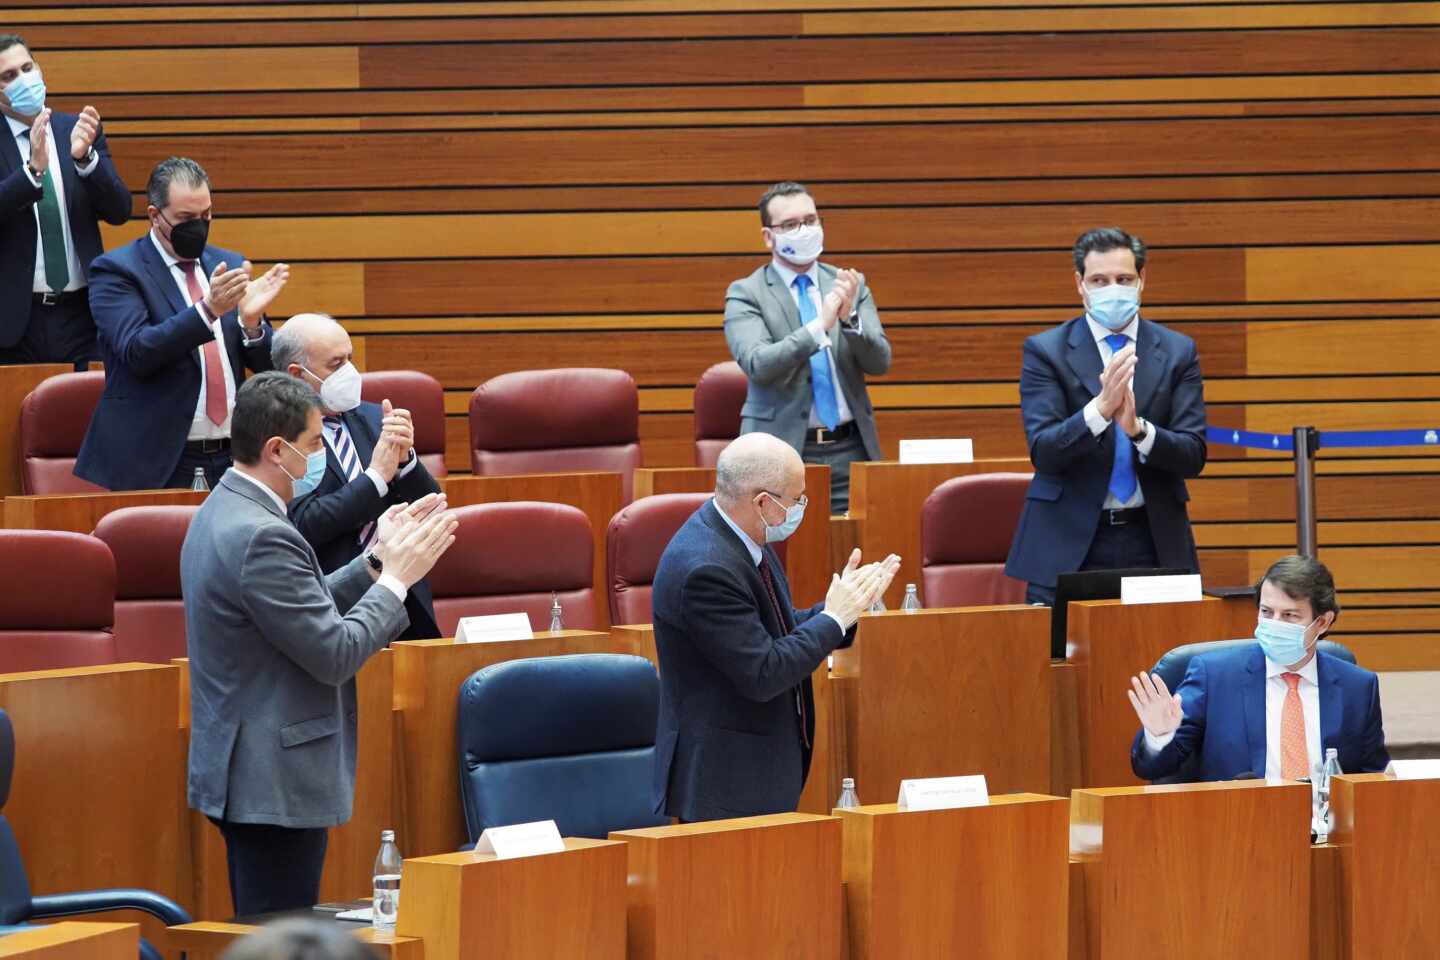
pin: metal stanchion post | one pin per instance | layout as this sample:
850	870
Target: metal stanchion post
1307	445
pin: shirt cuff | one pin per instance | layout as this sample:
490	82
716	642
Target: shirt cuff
1146	443
89	168
30	175
245	336
843	628
409	465
381	486
1154	744
391	583
1093	419
817	330
855	327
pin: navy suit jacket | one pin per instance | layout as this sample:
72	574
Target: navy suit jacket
100	196
331	517
1223	696
730	741
148	339
1059	376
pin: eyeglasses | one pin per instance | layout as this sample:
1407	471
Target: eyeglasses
811	221
780	498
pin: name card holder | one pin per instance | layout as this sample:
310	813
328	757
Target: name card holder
1184	588
943	793
937	451
1414	769
494	629
521	840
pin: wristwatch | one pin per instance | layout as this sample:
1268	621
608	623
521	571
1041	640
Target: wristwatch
1139	434
86	160
376	564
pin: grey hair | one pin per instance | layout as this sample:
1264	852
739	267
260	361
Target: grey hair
287	347
745	469
168	171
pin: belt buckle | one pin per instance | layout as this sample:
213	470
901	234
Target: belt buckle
820	438
1117	518
211	446
49	298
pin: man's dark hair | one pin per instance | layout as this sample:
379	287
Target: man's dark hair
300	938
8	40
168	171
785	188
269	404
1302	578
1103	239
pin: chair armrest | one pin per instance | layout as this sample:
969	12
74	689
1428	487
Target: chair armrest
98	901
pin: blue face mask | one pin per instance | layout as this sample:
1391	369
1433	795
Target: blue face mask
314	470
781	531
26	93
1113	307
1283	643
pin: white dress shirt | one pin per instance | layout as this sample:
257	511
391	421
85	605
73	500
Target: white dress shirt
817	330
1098	424
756	553
20	132
332	435
201	426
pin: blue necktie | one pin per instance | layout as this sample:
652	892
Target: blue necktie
1122	473
820	382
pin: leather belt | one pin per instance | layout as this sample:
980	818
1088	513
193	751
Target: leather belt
822	436
51	297
208	446
1119	518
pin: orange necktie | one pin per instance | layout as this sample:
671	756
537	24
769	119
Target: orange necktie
216	403
1294	755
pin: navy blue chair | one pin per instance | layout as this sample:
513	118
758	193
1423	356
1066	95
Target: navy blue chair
1172	666
18	907
569	739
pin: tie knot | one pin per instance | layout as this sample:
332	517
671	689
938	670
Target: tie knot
332	422
1117	341
802	282
1292	679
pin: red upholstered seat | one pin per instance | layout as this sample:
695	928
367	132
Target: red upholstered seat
53	421
636	537
719	397
966	526
58	602
556	421
509	558
423	396
149	609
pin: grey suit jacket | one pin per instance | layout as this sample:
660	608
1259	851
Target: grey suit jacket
274	647
762	327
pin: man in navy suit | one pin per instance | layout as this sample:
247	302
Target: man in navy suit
56	183
370	460
1271	708
179	323
737	712
1114	413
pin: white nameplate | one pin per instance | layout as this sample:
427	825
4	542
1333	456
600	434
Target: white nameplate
521	840
491	629
937	451
1178	589
1414	769
943	793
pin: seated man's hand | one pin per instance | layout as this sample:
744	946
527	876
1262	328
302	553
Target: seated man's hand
1159	711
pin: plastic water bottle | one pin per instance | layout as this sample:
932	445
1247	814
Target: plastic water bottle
1324	816
849	799
912	599
199	482
386	905
557	618
878	606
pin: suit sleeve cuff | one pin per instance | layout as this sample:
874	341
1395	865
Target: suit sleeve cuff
30	175
381	486
1154	744
89	168
409	466
393	584
843	629
1147	443
817	330
1093	419
854	326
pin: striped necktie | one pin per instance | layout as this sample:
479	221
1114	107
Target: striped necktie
344	449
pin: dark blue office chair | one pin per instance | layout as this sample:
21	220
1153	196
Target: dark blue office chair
569	739
18	907
1172	666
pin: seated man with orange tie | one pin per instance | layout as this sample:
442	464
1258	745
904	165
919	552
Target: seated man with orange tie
1270	708
179	322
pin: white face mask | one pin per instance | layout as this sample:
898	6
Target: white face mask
801	246
341	390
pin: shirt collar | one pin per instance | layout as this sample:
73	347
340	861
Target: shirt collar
751	545
284	507
16	127
170	261
1131	329
1308	672
789	273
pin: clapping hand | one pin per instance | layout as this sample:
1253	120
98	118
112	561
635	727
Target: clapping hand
227	288
1115	384
840	301
261	293
87	128
40	143
855	588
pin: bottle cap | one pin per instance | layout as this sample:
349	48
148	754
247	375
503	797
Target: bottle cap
848	783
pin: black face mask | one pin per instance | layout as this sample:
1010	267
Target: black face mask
188	238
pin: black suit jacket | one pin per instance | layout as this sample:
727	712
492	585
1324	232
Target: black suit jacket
331	517
100	196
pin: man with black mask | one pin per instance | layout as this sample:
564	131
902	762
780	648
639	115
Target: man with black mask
179	322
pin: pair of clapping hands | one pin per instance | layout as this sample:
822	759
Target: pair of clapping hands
411	537
854	589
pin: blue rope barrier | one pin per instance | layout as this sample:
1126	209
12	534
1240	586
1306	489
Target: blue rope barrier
1284	442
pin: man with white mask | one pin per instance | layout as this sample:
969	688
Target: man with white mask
806	334
1114	412
370	462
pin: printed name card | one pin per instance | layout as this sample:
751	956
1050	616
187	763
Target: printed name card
521	840
1178	589
492	629
937	451
943	793
1414	769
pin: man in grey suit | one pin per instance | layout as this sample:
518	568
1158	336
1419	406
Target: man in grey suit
275	644
806	334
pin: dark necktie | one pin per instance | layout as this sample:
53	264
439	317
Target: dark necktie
52	234
787	624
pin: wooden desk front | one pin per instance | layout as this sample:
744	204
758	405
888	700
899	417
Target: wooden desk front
15	383
69	940
208	940
81	512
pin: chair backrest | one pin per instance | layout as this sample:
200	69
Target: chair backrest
556	421
149	608
509	558
15	906
719	397
636	537
53	420
423	396
58	603
569	739
966	525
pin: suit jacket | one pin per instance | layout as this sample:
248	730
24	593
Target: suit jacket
762	327
148	339
274	647
1059	376
332	516
730	741
1223	694
100	196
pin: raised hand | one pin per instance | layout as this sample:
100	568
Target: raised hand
262	292
87	128
1125	417
227	288
1115	382
1159	711
40	142
414	552
400	518
838	300
852	593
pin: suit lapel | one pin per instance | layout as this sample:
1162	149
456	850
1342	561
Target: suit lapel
1331	703
1150	364
1083	355
780	297
159	273
10	150
826	282
1254	698
741	554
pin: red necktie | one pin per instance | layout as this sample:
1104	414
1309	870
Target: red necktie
786	624
216	403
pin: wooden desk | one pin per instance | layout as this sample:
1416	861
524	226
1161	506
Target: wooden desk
81	512
885	501
1109	643
69	940
207	940
15	383
753	887
944	693
597	495
1194	871
958	883
468	906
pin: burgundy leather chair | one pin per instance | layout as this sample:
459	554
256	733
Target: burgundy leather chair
149	608
423	396
719	397
636	537
556	421
966	526
58	603
509	557
53	420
